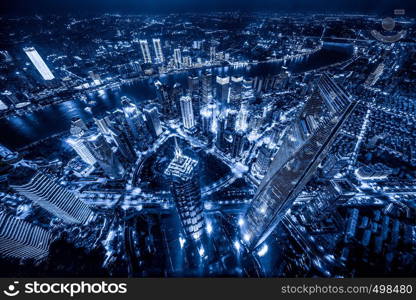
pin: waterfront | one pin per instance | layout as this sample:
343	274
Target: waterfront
20	131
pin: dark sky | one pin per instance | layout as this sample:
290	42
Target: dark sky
166	6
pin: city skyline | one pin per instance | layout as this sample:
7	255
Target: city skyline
209	144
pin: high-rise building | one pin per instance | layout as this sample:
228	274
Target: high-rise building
182	173
301	152
263	160
158	51
187	112
223	90
103	124
193	84
236	89
78	122
166	100
221	129
132	116
120	136
45	192
187	61
206	89
105	156
242	118
144	46
177	58
206	120
22	240
247	93
212	53
153	121
238	144
81	148
38	62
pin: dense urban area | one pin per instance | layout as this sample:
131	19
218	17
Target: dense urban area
220	144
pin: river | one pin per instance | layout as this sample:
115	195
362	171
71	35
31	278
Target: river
19	131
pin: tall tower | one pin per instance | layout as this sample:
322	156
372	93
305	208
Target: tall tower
80	147
206	120
263	160
38	62
236	90
105	156
177	57
144	46
158	51
78	122
132	116
212	53
241	123
223	90
182	173
120	136
305	145
187	112
153	121
238	144
206	89
49	195
22	240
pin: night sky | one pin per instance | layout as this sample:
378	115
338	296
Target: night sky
382	7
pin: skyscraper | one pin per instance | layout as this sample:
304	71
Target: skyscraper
187	112
206	120
105	156
206	88
236	88
177	57
238	144
263	160
132	117
78	122
158	51
81	148
120	136
221	128
242	117
144	46
153	121
212	53
103	124
223	90
49	195
38	62
302	150
182	173
22	240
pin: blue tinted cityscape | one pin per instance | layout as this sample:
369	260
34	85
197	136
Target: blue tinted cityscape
208	144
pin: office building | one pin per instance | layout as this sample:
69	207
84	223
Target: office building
81	148
105	156
45	192
38	62
301	152
144	46
182	173
177	58
206	89
153	121
158	51
22	240
223	89
187	112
